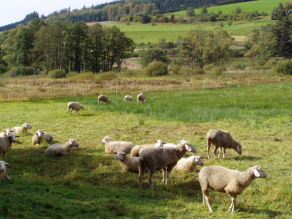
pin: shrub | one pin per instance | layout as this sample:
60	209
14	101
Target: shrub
236	66
199	71
71	73
186	71
21	71
107	76
151	55
156	68
133	73
58	73
176	69
270	63
217	71
208	67
82	76
283	67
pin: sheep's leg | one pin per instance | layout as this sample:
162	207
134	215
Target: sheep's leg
208	147
224	150
150	179
215	151
220	150
205	195
164	174
4	155
141	173
232	206
169	169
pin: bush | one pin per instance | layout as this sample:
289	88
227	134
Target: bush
217	71
236	66
208	67
270	63
151	55
283	67
107	76
186	71
156	68
82	76
133	73
176	69
199	71
21	71
71	74
58	73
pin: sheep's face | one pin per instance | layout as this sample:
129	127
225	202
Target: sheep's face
81	107
39	134
120	155
159	143
189	147
198	160
239	148
259	172
106	139
73	143
3	165
7	131
12	137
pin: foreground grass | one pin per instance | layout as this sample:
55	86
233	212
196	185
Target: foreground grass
88	184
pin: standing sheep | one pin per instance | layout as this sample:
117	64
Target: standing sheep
188	164
6	143
4	172
48	137
57	150
139	148
37	137
228	181
74	106
103	98
141	97
127	97
129	164
164	158
116	146
18	130
221	139
5	133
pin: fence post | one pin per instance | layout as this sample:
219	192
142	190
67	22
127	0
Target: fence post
48	94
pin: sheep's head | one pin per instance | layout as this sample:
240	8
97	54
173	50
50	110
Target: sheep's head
238	148
12	137
73	143
106	139
188	146
27	126
81	106
198	160
3	165
120	155
39	133
259	172
159	143
7	131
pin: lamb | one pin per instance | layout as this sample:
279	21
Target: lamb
221	139
58	150
164	158
103	98
141	97
48	137
37	137
188	164
18	130
5	133
127	97
4	172
232	182
129	164
6	143
139	148
74	106
116	146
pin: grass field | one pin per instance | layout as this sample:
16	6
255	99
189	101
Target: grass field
87	184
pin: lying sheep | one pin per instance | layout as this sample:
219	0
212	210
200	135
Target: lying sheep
37	137
127	97
103	98
57	150
221	139
129	164
164	158
74	106
139	148
141	97
116	146
226	180
188	164
6	143
18	130
4	172
5	133
48	137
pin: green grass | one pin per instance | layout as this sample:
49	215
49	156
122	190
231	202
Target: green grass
87	184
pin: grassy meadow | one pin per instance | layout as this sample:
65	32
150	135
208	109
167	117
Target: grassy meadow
88	184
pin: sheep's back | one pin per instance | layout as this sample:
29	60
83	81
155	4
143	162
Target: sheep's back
4	144
219	137
120	146
53	150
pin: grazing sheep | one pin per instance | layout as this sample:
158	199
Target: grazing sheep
226	180
164	158
37	137
221	139
139	148
127	97
4	172
6	143
129	164
141	97
48	137
74	106
103	98
188	164
116	146
5	133
57	150
18	130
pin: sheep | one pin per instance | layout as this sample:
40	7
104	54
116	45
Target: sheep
188	164
103	98
139	148
74	106
57	150
141	97
6	143
129	164
4	172
221	139
127	97
18	130
229	181
116	146
5	133
37	137
48	137
164	158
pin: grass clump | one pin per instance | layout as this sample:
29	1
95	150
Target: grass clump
58	73
236	66
87	76
217	71
156	68
107	76
208	67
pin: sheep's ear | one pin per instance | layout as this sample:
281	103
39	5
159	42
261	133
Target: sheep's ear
71	141
7	164
163	142
155	141
17	136
188	147
11	131
4	131
115	153
256	173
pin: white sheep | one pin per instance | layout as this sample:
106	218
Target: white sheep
116	146
57	150
74	106
141	97
139	148
5	133
103	98
229	181
129	164
4	172
194	150
48	137
37	137
18	130
6	143
221	139
188	164
127	97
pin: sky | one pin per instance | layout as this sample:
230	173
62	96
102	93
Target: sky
12	11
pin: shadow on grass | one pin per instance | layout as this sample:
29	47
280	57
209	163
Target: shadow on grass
250	158
259	211
88	114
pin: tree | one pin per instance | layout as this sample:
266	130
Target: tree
190	12
151	55
204	10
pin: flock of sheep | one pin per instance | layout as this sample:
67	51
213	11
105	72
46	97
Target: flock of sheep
151	157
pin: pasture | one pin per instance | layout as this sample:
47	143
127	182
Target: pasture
87	184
